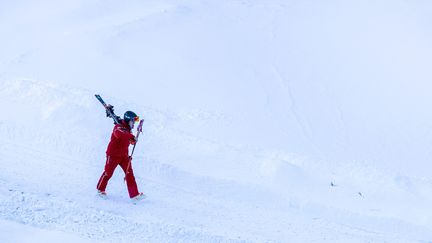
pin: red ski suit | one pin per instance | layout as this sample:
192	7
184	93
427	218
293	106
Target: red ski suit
118	154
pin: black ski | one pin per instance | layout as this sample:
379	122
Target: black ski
109	109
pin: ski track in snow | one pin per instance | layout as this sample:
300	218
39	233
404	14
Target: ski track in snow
48	182
61	214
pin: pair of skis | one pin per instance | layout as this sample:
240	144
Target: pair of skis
110	113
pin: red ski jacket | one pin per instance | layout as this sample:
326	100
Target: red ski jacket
120	139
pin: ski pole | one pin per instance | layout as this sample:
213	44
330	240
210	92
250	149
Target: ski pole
139	130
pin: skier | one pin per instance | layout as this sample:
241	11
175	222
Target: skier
118	154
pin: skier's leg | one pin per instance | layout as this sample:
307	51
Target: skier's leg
110	166
126	165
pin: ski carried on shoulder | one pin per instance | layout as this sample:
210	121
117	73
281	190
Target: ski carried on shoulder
109	109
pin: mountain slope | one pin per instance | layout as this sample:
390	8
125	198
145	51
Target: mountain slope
265	120
48	182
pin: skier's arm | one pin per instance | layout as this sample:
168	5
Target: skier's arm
120	132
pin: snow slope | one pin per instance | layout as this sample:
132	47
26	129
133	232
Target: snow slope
265	120
15	234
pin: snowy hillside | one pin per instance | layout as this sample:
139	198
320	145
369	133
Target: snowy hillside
280	121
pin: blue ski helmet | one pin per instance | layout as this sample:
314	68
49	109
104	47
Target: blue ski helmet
130	116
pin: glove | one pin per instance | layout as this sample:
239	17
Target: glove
109	110
133	141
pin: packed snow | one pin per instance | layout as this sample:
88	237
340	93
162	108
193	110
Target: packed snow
265	121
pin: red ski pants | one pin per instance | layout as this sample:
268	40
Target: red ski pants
110	166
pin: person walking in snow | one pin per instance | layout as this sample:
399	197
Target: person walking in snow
117	153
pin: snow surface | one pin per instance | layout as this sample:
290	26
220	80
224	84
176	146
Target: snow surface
265	121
